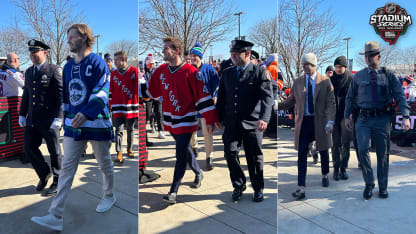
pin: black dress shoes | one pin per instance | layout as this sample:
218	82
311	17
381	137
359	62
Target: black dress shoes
344	174
170	198
197	181
258	196
238	193
299	195
209	165
382	193
51	191
43	182
368	191
315	158
325	182
336	174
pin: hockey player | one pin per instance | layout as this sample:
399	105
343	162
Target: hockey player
124	102
183	94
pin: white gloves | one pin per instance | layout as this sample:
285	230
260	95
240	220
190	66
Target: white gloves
56	124
22	121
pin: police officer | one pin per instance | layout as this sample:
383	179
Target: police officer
244	105
41	114
371	93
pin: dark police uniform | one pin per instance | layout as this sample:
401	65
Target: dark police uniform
374	118
244	98
41	104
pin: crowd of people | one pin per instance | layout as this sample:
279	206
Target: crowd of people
336	109
190	93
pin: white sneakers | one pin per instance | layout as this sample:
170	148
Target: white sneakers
50	221
161	135
105	204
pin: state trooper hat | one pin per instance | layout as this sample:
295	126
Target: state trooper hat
35	45
240	46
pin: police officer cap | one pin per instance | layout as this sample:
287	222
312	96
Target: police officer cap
35	45
254	55
240	46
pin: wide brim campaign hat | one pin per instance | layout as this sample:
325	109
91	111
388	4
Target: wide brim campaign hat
35	45
371	47
240	46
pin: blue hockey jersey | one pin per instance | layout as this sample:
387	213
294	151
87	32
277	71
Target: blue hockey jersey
85	89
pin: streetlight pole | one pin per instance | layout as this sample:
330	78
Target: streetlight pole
348	61
239	14
97	36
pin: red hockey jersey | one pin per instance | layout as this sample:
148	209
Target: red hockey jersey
184	93
124	93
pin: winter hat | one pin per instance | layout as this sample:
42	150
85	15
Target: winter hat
149	59
341	60
329	68
197	50
107	57
310	58
271	58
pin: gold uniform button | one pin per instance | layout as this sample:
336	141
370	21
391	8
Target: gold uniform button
34	96
33	103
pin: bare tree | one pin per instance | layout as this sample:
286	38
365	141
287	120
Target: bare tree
131	48
13	39
206	21
305	28
264	34
49	21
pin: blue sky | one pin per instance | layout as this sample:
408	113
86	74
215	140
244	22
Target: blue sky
254	11
112	20
353	17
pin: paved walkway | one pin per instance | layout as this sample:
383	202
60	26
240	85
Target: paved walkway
19	200
340	208
208	209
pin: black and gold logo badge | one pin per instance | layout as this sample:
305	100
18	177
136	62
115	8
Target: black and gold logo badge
390	22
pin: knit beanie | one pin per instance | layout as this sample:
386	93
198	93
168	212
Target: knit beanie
341	60
197	49
271	58
329	68
149	59
310	58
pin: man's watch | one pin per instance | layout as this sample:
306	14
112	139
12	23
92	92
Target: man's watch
406	117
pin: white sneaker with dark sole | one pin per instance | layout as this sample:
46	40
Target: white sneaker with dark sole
106	204
50	221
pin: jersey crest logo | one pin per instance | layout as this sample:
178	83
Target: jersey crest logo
77	92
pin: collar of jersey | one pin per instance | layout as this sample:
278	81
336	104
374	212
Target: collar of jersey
176	68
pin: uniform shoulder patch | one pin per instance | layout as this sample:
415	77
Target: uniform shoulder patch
59	70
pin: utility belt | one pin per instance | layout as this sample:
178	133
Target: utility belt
373	112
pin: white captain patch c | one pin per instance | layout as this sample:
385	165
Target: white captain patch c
77	92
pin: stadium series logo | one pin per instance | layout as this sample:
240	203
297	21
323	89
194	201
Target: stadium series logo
390	22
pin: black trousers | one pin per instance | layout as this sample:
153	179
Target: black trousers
307	135
251	140
157	120
184	155
33	139
341	138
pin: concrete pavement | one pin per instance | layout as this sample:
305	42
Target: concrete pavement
19	200
340	208
208	209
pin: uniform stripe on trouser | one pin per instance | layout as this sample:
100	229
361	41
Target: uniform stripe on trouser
72	153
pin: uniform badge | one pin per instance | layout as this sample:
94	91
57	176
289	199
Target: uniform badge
59	71
32	42
44	79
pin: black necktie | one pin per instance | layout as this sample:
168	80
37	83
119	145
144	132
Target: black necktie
310	97
374	87
36	72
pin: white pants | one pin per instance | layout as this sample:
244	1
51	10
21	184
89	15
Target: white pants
72	153
208	139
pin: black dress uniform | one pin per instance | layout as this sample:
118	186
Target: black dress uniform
243	99
41	104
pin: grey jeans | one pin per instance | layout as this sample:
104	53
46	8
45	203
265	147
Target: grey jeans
72	153
120	124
